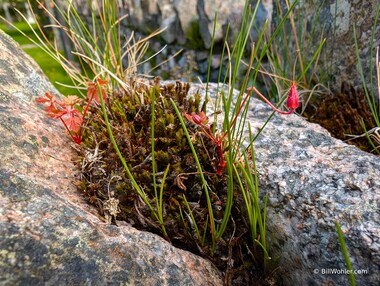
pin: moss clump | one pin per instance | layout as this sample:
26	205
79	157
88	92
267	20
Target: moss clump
343	113
130	115
107	186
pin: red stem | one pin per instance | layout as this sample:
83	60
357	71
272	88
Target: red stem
240	108
208	133
83	115
68	130
220	149
87	105
269	103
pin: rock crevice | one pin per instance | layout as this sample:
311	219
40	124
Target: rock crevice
48	233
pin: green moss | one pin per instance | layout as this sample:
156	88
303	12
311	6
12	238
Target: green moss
162	157
130	117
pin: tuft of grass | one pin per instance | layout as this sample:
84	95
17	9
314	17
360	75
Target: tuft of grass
373	99
256	211
99	48
294	51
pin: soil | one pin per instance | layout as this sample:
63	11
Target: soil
343	113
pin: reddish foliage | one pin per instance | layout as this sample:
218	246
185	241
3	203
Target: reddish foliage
67	112
72	118
93	90
54	106
201	120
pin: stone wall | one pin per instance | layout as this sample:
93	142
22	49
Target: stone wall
189	24
179	18
337	21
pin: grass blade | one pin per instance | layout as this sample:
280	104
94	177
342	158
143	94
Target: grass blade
345	254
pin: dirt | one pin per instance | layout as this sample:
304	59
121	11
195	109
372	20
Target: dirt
343	113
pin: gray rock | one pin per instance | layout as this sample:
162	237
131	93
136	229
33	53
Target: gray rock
315	20
48	233
335	21
313	181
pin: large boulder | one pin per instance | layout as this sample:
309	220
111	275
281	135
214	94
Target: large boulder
48	234
313	181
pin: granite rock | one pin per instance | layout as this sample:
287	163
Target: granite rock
314	181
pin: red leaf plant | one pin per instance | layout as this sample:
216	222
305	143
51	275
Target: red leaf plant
201	120
93	90
67	110
292	102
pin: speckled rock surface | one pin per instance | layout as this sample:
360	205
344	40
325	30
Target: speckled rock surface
313	181
48	234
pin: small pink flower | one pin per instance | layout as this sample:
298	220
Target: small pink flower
200	118
293	101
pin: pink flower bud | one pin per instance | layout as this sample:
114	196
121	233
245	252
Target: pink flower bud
196	118
293	102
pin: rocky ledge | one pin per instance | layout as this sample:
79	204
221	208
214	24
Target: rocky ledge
48	234
313	181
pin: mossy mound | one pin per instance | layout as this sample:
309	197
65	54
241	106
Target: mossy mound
106	184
